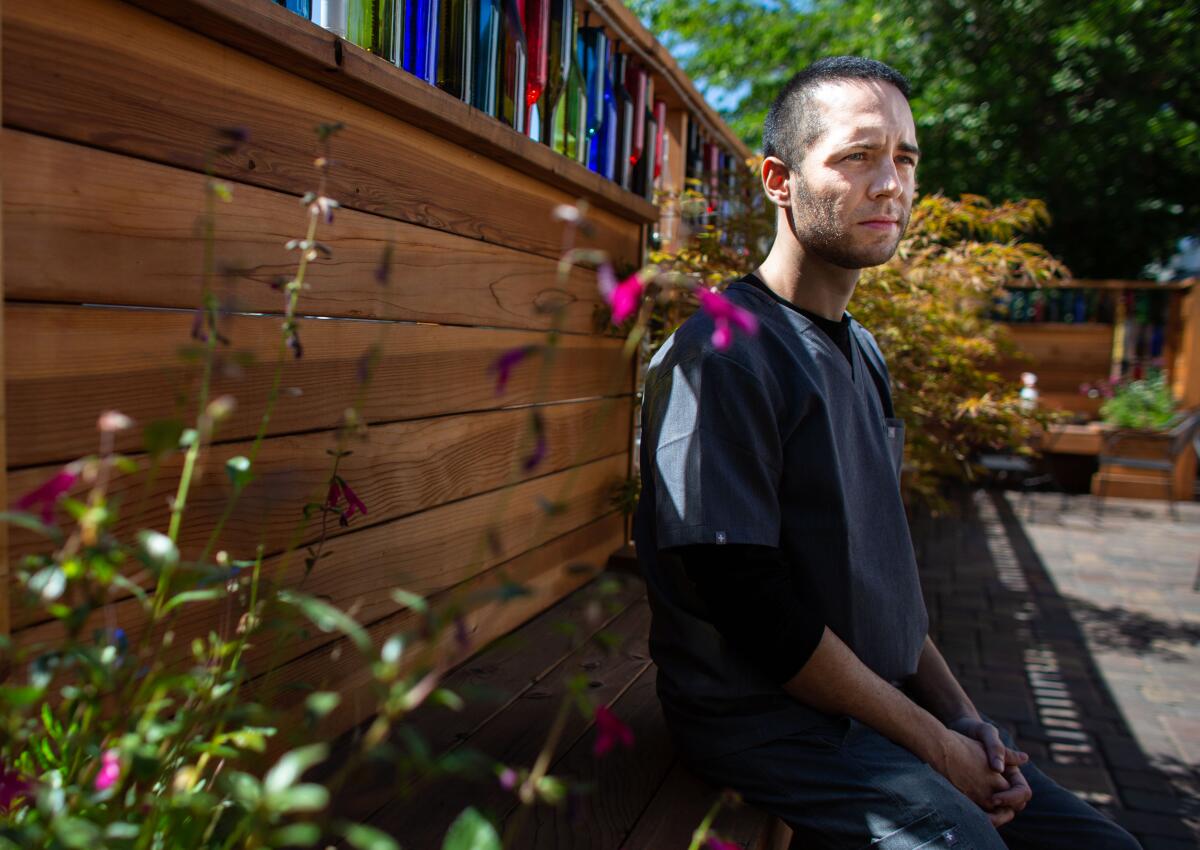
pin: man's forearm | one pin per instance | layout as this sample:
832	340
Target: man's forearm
835	681
935	688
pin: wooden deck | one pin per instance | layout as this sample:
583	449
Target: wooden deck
640	800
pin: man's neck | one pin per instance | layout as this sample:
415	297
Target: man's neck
807	281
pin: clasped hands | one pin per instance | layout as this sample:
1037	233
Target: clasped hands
978	763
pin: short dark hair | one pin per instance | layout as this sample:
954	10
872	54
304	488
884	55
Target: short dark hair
792	124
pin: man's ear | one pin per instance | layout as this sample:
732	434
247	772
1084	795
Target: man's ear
775	181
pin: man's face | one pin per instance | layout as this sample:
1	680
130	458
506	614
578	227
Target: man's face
853	191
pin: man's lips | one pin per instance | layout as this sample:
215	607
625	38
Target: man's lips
880	223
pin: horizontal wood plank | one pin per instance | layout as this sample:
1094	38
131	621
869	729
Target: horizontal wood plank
107	74
398	469
516	735
86	226
426	553
68	364
549	573
259	28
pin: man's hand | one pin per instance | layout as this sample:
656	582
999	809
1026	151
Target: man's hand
999	756
964	762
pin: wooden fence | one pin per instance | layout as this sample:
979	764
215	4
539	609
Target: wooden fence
110	112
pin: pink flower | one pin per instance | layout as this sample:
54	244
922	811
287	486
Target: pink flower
623	298
508	779
726	317
338	488
715	843
47	495
110	770
506	362
13	787
610	731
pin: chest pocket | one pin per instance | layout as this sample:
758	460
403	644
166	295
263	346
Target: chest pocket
894	432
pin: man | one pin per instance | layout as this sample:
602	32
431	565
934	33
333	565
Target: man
788	624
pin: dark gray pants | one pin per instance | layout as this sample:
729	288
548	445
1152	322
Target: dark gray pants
848	787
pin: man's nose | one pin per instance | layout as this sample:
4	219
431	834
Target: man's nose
885	182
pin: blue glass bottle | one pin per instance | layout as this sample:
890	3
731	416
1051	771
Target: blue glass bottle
593	55
303	8
420	38
487	51
611	126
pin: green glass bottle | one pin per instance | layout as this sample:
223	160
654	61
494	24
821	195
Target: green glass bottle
377	26
456	48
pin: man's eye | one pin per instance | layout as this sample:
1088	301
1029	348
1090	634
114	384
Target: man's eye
907	160
857	157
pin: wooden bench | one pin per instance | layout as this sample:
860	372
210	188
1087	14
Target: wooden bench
640	799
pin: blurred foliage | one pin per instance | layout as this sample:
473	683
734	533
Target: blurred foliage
1091	106
928	307
1144	403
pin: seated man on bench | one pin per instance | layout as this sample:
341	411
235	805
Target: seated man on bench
788	628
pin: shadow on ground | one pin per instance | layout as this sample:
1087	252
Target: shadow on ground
1017	646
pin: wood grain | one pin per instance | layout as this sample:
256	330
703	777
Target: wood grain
425	553
399	469
88	226
67	364
545	572
515	736
260	29
113	76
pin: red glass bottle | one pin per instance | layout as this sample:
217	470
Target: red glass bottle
535	18
660	119
635	83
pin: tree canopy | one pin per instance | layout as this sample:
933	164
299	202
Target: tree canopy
1091	106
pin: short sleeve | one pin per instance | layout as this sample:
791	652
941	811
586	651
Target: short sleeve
714	453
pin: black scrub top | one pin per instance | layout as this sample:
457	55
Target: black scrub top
777	441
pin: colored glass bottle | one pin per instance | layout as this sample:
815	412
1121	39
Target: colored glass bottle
646	163
559	55
510	99
607	154
331	14
456	48
636	80
572	138
593	55
420	38
377	26
660	121
626	122
303	8
487	55
536	21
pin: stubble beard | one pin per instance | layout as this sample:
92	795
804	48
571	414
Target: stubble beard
818	227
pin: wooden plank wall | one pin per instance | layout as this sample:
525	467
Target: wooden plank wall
110	114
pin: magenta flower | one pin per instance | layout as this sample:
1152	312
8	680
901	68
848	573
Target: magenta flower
715	843
110	770
508	779
726	317
13	787
623	298
506	362
610	731
46	497
339	489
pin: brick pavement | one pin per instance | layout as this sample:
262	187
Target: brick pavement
1082	635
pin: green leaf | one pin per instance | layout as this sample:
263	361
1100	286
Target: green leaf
410	600
245	789
327	617
238	470
21	695
76	832
122	831
305	797
471	831
321	703
291	767
48	583
251	738
188	596
363	837
162	436
31	523
296	835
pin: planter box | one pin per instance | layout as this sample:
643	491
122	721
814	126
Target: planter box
1132	480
